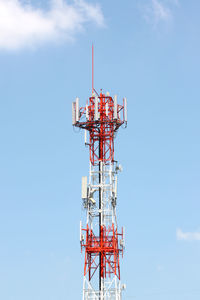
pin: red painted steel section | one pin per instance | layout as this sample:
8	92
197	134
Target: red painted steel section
108	245
101	131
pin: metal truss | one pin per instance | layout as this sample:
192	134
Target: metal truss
102	242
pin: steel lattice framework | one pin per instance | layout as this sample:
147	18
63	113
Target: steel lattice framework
100	239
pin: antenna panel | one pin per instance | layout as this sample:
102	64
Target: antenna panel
77	109
73	113
86	112
115	186
84	187
106	109
115	107
96	112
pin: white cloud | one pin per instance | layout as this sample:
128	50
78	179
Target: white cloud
23	25
157	11
187	236
175	2
160	11
160	268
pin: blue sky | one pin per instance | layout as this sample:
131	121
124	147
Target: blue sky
146	50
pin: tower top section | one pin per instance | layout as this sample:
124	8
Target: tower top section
101	117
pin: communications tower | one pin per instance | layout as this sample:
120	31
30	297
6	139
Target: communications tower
100	238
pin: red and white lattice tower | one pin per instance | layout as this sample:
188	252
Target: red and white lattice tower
101	240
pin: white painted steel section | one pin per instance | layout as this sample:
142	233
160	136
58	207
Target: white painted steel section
113	291
111	287
96	112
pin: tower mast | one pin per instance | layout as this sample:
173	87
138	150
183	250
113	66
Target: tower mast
103	243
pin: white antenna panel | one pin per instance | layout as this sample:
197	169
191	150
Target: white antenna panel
77	109
115	186
96	112
86	112
115	107
80	231
84	187
73	113
106	109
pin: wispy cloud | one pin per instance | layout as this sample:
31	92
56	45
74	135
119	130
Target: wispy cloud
158	11
175	2
23	25
159	268
187	236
